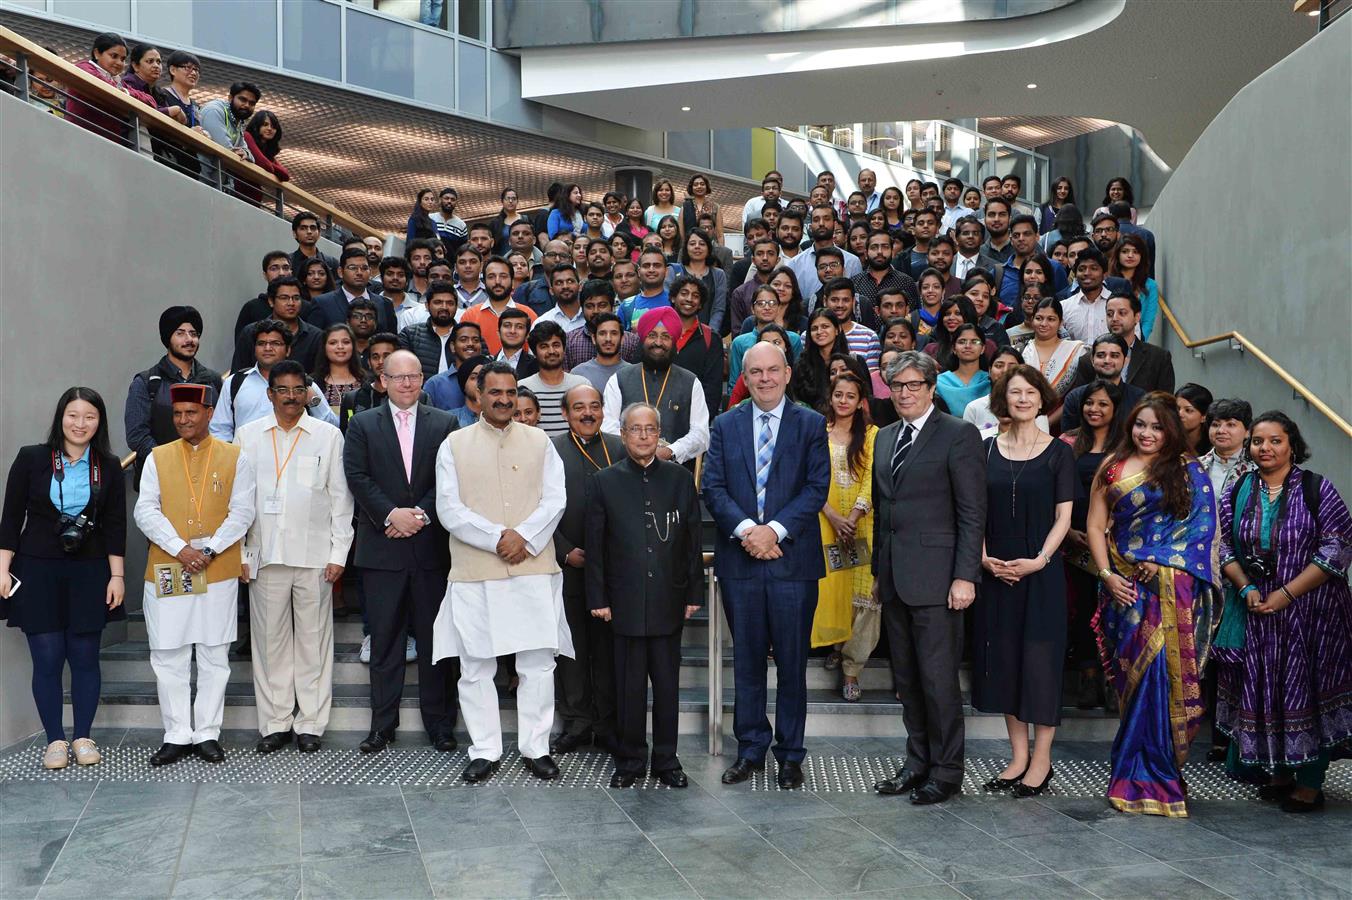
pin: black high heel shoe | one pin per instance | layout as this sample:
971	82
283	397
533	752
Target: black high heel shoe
1027	790
997	783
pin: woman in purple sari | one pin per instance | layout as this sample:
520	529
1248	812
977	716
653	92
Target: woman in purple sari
1285	648
1152	534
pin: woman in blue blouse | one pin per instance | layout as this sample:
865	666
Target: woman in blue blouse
566	215
966	378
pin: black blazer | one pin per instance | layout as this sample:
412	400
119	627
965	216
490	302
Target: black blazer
646	581
1151	368
331	308
375	475
28	523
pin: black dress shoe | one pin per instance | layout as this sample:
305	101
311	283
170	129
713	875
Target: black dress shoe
307	743
275	741
623	779
479	770
1217	754
1273	793
567	743
1022	789
934	792
673	778
790	776
742	770
445	744
377	741
1293	804
210	751
905	781
1003	784
542	768
170	753
242	648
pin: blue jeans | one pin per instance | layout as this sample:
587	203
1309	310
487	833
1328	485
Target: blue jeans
429	12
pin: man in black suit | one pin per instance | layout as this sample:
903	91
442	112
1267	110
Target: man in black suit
585	694
929	521
1109	358
354	273
403	551
1149	368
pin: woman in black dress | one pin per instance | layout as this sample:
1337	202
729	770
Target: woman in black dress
1019	624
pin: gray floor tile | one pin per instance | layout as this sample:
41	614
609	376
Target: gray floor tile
235	796
934	891
375	877
489	873
657	812
843	857
1168	839
950	848
459	819
129	885
869	803
735	862
35	801
28	850
768	806
564	807
1331	863
252	883
1006	817
1151	879
1261	877
1043	887
135	845
367	828
1082	849
233	837
354	794
589	869
1082	809
132	798
554	834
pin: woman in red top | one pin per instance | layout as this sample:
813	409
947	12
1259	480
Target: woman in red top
107	61
263	137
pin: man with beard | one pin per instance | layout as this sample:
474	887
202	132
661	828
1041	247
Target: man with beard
879	278
361	318
940	258
276	264
652	280
567	310
698	348
926	227
451	229
550	382
224	121
764	257
968	233
997	244
675	392
294	553
305	229
1147	366
429	341
443	390
420	255
481	239
585	684
1105	233
607	336
643	515
149	413
284	305
1023	238
513	335
497	276
469	265
505	590
822	231
598	298
789	234
536	294
1108	361
408	306
599	260
353	274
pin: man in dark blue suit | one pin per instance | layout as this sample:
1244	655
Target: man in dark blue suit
766	476
354	273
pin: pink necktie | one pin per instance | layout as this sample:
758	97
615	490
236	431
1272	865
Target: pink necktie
406	442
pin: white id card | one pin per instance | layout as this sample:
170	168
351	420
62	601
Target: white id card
272	505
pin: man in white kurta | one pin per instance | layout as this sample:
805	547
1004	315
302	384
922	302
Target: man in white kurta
500	494
195	505
294	552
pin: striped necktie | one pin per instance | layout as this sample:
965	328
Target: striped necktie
903	448
765	451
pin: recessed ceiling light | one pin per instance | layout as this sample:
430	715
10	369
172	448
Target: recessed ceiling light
1032	86
685	109
1313	12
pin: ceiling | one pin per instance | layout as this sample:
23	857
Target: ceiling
1164	67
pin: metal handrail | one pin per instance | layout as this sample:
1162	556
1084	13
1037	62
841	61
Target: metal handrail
128	460
1238	338
91	89
714	724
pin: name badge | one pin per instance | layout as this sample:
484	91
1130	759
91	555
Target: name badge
272	505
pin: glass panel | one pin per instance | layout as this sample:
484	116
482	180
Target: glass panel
433	80
790	153
310	38
689	147
110	13
473	83
924	134
426	12
379	54
506	105
943	149
241	28
986	150
165	20
732	151
472	19
965	151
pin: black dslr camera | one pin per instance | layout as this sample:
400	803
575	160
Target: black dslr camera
1258	565
73	530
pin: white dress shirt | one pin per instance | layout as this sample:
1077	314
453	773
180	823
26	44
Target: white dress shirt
1085	321
804	266
683	449
776	418
304	519
410	311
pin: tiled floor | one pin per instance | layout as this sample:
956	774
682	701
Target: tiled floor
113	838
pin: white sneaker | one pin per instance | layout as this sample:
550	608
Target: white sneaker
365	653
411	651
87	752
57	755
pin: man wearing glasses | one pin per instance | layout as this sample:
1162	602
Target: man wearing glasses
246	394
354	273
284	305
537	293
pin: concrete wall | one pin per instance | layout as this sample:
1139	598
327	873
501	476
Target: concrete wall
1253	235
1090	160
95	241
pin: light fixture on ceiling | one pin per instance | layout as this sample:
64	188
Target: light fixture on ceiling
1313	12
1031	86
685	109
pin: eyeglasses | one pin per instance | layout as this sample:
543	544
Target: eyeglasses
270	344
909	387
766	304
1104	230
403	379
362	316
555	254
290	391
186	333
643	430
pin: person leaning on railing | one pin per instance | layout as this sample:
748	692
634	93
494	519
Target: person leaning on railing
63	537
107	61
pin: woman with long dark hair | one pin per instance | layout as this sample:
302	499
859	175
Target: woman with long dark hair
966	378
811	376
953	312
1019	322
1193	403
663	205
316	278
565	216
1152	531
507	216
1130	260
263	137
1055	357
767	308
698	261
1063	192
420	224
931	285
699	202
107	62
634	223
669	230
338	368
1118	190
63	538
979	291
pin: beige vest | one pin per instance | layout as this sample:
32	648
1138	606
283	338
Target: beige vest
501	476
176	463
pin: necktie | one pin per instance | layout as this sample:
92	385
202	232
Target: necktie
903	448
765	451
405	431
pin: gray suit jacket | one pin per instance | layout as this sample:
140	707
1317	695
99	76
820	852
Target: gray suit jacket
929	525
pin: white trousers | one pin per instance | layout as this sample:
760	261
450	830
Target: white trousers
173	669
291	636
534	704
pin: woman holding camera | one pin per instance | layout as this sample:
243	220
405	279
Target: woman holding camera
63	535
1285	643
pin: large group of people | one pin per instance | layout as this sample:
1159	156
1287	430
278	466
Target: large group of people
928	414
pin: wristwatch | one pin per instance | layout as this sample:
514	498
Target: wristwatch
209	553
1104	572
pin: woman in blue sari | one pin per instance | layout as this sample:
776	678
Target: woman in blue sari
1152	534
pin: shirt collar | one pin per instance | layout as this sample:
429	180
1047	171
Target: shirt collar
302	423
777	414
919	423
351	297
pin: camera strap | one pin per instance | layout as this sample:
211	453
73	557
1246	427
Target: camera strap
1244	501
95	483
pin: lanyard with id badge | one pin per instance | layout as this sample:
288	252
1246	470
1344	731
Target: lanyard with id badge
272	503
172	579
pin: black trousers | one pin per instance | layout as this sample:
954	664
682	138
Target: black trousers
639	660
585	696
926	644
393	601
